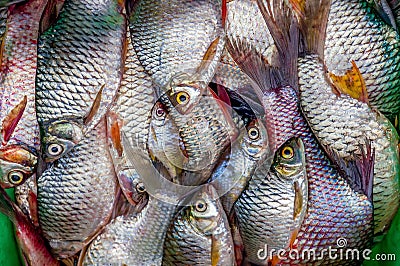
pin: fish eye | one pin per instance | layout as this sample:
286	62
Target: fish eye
182	97
140	187
201	206
253	133
287	152
15	177
55	149
160	112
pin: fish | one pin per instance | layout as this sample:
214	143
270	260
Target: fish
249	151
80	66
200	233
130	115
339	206
76	194
188	43
143	234
352	28
191	135
344	122
26	199
34	247
276	198
19	129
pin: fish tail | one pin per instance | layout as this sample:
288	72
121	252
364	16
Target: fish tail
313	25
7	206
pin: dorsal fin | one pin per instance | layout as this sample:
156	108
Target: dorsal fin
10	122
283	26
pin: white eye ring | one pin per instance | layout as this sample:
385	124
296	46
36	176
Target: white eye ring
15	174
140	187
55	149
201	206
253	133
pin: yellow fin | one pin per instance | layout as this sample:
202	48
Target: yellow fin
351	83
215	251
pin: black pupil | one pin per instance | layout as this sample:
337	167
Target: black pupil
182	98
15	177
253	132
287	151
54	149
200	206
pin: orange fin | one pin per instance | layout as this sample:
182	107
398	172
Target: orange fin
95	107
274	261
351	83
293	239
10	122
298	201
115	135
215	251
299	7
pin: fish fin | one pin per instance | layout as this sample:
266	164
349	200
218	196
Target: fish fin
237	238
274	261
33	211
293	238
7	206
208	57
95	107
284	28
385	12
10	122
115	133
215	251
313	25
298	7
298	201
359	171
261	74
49	15
224	12
223	95
351	83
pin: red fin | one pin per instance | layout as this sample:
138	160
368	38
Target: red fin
351	83
32	199
10	122
95	107
223	95
115	135
224	12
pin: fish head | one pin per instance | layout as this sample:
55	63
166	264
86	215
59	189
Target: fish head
255	140
205	210
132	186
59	138
184	96
289	159
17	164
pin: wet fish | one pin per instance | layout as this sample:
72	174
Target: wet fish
201	131
79	72
335	209
33	245
76	194
19	128
200	233
354	32
249	150
188	42
275	199
130	115
344	124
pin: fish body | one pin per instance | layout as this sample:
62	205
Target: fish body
80	60
355	32
344	124
19	128
275	200
248	151
76	194
178	37
200	233
335	209
33	245
133	240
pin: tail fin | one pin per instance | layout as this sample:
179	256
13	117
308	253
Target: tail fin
7	206
283	26
313	23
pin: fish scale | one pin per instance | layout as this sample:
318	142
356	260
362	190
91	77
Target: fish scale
173	36
342	124
334	209
87	37
76	194
355	31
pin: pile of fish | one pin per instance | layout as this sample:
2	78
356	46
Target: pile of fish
207	132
